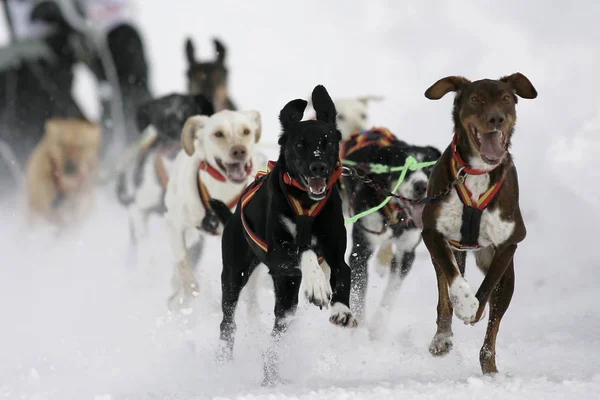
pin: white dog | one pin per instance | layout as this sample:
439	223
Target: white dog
218	160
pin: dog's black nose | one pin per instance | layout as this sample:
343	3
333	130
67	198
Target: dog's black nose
238	152
420	188
495	119
318	168
70	168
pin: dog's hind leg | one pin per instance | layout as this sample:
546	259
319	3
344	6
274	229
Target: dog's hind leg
499	302
286	303
442	341
195	250
401	265
359	259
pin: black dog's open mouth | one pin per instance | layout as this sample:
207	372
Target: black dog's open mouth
491	145
236	172
316	187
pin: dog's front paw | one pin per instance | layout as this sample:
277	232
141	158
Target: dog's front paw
441	344
463	300
342	316
316	286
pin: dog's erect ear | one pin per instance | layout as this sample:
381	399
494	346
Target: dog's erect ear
189	133
292	113
142	117
366	99
190	52
520	85
203	105
255	116
323	105
221	51
445	85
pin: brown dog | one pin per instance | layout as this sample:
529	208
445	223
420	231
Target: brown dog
481	211
61	172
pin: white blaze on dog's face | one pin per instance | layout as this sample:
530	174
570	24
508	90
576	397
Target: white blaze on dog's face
353	114
225	140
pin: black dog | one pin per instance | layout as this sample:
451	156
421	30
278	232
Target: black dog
148	177
392	225
284	219
209	78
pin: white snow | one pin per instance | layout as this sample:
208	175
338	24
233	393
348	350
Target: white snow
79	321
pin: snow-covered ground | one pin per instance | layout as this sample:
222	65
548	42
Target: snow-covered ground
81	321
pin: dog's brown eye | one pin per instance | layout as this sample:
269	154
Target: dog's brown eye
246	132
219	134
475	99
341	117
300	145
506	98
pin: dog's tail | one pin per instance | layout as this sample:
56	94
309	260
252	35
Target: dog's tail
223	212
124	198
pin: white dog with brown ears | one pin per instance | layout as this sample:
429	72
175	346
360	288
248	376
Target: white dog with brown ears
218	160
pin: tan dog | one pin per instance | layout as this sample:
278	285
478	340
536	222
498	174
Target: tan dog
61	172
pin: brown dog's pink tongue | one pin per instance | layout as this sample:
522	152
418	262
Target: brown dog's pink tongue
491	145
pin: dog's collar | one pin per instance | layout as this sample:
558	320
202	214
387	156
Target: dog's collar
212	171
215	173
463	165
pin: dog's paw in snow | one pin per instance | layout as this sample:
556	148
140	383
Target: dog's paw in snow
463	300
342	316
316	286
441	344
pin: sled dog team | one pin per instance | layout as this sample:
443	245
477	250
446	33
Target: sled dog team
203	173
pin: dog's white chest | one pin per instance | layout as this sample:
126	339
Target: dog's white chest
493	230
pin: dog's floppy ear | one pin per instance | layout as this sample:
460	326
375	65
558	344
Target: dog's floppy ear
203	105
292	113
221	51
520	85
190	52
142	116
366	99
255	116
323	105
189	133
445	85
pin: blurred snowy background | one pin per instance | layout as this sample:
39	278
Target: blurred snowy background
80	321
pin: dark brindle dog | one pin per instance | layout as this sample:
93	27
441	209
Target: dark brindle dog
393	224
285	219
482	214
209	78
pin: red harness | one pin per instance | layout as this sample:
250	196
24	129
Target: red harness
472	208
294	203
358	139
